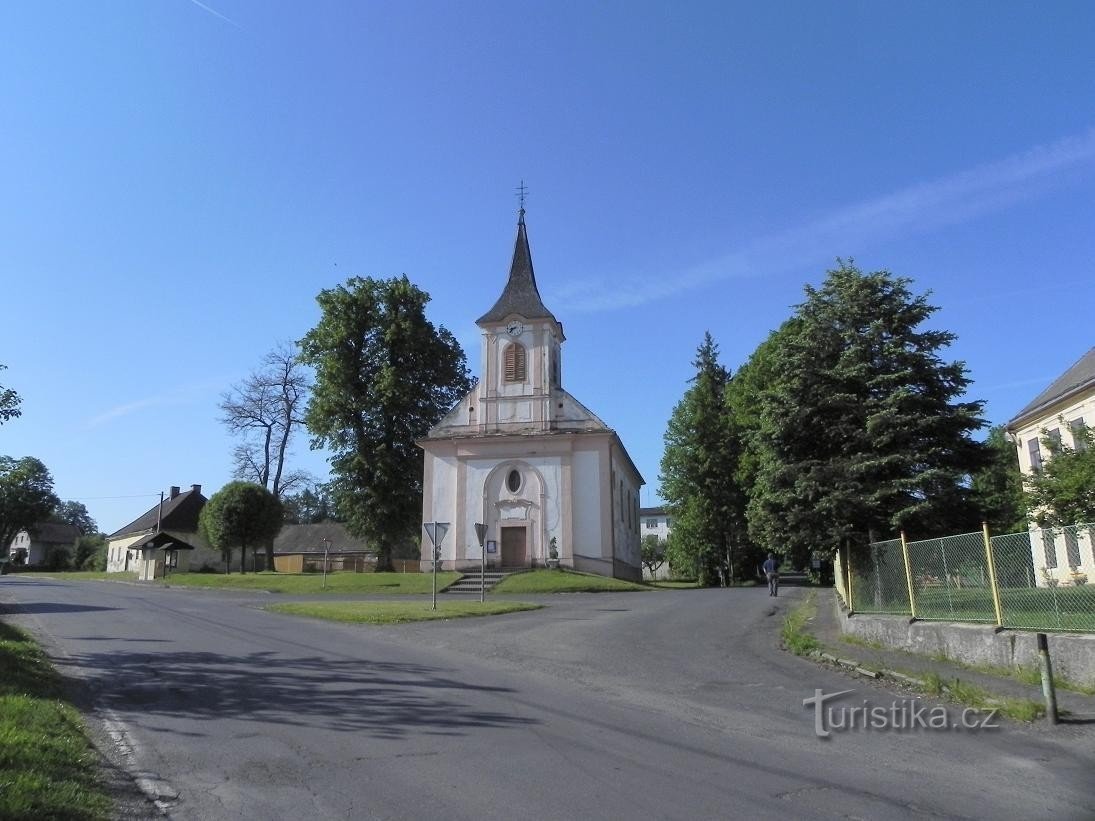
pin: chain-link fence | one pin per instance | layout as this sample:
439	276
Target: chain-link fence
1043	577
1037	580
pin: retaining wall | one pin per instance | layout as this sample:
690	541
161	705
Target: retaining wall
1073	655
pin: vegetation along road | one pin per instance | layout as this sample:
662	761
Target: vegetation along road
671	704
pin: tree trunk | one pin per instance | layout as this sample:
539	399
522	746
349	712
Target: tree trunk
270	555
384	557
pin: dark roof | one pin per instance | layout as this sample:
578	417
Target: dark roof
520	295
54	533
161	541
651	511
1081	375
179	514
309	539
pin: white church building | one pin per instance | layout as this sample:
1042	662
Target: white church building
523	457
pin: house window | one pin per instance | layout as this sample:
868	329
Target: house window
513	481
1050	548
1054	437
1076	428
1035	451
515	370
1072	546
667	522
651	524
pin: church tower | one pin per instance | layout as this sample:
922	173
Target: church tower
548	482
521	352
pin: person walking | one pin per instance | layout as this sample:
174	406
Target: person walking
771	572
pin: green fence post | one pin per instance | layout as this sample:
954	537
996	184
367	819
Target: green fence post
990	559
851	608
908	575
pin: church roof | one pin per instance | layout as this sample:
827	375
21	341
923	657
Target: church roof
1081	376
520	295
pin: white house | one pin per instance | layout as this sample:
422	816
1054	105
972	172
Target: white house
526	459
654	521
164	539
32	547
1058	412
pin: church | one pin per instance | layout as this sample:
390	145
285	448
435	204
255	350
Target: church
550	481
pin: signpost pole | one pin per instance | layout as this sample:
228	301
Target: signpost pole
436	531
481	532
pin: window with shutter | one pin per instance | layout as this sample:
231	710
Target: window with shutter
515	363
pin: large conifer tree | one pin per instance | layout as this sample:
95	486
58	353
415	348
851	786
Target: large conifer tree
698	479
860	429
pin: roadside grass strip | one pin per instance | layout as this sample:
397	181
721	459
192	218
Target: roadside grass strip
48	768
564	581
398	612
795	634
292	583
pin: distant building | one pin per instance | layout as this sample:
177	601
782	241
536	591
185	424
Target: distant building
32	547
654	521
1058	412
164	538
527	460
301	548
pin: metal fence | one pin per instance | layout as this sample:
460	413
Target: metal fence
1036	580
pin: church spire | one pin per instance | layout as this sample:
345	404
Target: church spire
520	296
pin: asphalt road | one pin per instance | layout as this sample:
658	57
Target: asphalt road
674	704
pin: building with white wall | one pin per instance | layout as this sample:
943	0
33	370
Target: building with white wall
525	458
1058	412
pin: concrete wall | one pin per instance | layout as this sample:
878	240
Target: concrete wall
1073	655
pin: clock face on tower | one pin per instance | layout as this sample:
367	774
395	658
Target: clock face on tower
515	328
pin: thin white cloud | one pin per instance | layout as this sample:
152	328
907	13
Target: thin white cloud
915	209
181	395
216	13
126	409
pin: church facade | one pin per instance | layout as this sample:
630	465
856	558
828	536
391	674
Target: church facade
549	480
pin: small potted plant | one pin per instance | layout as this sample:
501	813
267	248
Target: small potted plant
553	553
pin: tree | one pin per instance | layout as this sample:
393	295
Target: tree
26	495
240	514
1062	493
997	487
310	506
653	553
9	402
384	376
698	470
859	431
90	553
75	514
265	410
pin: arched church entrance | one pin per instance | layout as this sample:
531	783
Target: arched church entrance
513	503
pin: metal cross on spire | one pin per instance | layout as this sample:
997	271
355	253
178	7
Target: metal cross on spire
522	194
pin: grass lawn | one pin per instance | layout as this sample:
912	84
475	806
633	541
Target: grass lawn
398	612
299	583
47	766
82	575
671	584
564	581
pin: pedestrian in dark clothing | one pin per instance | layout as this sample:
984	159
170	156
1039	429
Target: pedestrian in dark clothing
771	572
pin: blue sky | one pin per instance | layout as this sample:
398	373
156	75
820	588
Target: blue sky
180	179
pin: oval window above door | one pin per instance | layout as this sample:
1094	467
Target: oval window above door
513	481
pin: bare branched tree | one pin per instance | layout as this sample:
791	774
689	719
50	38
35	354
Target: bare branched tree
265	410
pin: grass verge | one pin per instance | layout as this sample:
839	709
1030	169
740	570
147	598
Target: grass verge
47	766
293	583
794	633
398	612
672	584
564	581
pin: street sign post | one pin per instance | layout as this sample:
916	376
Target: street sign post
481	533
436	531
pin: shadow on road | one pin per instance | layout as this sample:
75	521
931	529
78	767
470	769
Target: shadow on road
50	607
387	700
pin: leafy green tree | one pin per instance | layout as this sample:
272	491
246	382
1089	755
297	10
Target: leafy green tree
653	553
998	488
310	506
26	495
1062	493
90	553
76	514
384	376
698	475
240	514
859	432
9	402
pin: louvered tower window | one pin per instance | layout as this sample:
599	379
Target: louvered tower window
515	363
